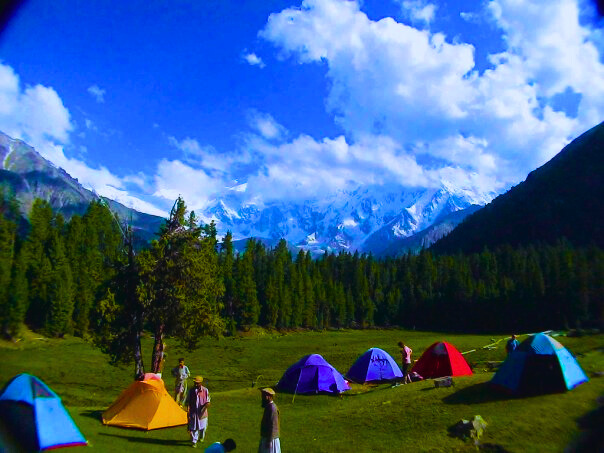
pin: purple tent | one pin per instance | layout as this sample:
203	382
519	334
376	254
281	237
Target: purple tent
312	374
374	365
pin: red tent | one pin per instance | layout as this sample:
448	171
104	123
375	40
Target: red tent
441	359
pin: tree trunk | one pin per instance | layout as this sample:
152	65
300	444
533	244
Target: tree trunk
158	349
139	369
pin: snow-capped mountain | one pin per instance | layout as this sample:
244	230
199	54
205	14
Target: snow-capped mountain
366	219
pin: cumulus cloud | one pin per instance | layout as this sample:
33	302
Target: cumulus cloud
98	93
419	10
266	125
420	88
35	114
175	178
254	60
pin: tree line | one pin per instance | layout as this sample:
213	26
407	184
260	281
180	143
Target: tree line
84	277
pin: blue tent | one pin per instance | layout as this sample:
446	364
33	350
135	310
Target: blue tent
312	374
35	416
539	365
374	365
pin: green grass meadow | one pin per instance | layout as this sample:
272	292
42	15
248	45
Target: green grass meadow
413	417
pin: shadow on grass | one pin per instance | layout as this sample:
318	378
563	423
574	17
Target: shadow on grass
476	394
150	440
97	415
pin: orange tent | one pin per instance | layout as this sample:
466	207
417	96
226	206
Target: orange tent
145	405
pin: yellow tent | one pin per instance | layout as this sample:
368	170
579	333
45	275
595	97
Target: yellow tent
145	405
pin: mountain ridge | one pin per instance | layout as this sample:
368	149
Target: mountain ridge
564	198
366	219
28	176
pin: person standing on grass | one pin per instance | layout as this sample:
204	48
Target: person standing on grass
199	401
217	447
181	373
406	352
269	427
511	345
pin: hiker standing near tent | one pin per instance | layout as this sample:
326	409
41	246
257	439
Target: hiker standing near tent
181	373
511	345
406	352
269	427
199	401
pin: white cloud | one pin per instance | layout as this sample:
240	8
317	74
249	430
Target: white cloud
174	178
266	125
97	92
205	157
254	60
35	114
90	124
470	17
421	89
419	10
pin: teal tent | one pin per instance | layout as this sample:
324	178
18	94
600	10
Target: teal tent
35	416
539	365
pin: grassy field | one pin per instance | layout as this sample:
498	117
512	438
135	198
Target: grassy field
366	419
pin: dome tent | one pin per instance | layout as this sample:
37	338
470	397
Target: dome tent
312	374
145	405
539	365
375	364
36	417
441	359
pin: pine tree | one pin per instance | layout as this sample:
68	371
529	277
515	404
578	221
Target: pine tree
60	293
227	260
248	306
181	286
16	304
39	273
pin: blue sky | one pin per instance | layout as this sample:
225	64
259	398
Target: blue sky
289	100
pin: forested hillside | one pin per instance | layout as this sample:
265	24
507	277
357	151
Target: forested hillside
80	277
562	199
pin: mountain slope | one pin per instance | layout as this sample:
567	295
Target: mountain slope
29	176
563	198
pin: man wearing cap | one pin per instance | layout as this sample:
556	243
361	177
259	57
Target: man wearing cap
269	427
199	400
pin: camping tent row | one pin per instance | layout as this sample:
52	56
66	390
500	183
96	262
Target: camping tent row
36	417
540	364
313	374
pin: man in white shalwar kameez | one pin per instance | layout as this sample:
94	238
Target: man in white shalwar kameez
199	401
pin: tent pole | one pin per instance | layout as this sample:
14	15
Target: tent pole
296	391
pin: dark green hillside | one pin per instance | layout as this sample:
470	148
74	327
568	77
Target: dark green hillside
563	198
